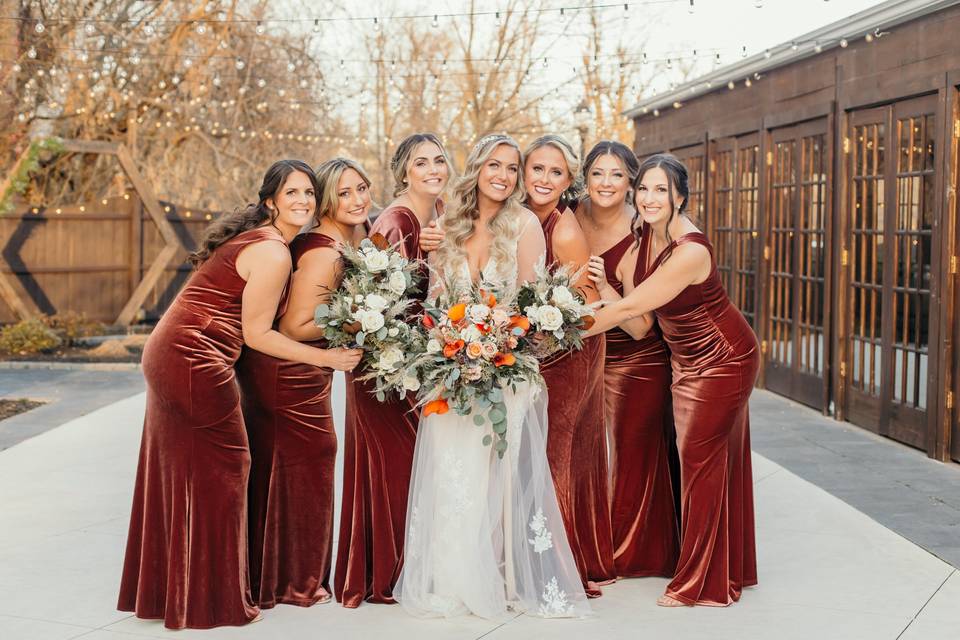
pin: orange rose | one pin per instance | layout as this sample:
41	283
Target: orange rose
504	359
438	406
452	348
428	321
474	350
586	322
457	312
520	321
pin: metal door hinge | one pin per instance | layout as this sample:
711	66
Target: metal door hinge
956	128
953	265
844	258
766	252
949	399
769	158
763	347
843	369
846	145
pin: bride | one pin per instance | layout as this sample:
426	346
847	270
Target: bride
484	535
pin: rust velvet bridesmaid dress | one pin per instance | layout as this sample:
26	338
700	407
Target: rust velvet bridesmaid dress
378	460
289	419
715	362
577	448
186	557
637	375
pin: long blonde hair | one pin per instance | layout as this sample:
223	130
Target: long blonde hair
401	157
459	223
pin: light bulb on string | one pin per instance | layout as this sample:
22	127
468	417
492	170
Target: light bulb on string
817	46
39	28
316	25
767	54
376	24
32	53
89	29
794	46
240	64
260	29
201	28
743	52
436	21
496	18
844	43
758	4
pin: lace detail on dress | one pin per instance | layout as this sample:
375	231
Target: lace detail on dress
456	498
413	533
555	603
542	539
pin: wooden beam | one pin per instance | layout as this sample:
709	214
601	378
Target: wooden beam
9	295
90	146
172	246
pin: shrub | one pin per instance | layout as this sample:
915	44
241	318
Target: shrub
27	337
72	325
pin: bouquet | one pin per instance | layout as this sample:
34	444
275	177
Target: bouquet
370	311
472	351
557	312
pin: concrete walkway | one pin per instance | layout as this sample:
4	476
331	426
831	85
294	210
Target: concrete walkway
826	570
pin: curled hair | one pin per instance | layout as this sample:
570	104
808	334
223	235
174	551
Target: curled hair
230	225
575	190
328	177
677	175
401	158
618	150
459	223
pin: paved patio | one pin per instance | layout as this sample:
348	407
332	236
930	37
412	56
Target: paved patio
827	570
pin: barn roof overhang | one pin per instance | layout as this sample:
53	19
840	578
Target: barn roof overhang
873	21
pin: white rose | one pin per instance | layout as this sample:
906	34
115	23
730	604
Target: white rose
376	261
500	317
478	313
376	302
370	320
434	346
411	383
393	332
390	358
549	318
471	334
531	313
397	283
561	296
358	298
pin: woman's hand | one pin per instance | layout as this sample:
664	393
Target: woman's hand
597	273
430	237
341	359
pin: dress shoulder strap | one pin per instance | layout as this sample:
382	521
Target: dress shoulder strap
695	237
307	242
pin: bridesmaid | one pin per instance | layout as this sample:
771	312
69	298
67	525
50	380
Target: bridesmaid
186	557
637	377
715	363
576	440
286	406
380	437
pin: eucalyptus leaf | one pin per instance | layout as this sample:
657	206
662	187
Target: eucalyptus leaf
496	416
479	420
500	446
500	428
487	440
495	395
359	338
381	396
382	333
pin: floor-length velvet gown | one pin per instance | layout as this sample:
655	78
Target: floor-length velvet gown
186	558
642	509
378	460
577	448
289	418
715	361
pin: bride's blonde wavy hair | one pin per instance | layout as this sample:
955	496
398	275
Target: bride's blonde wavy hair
459	222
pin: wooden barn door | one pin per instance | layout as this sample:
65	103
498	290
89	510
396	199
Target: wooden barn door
891	202
797	245
734	226
694	157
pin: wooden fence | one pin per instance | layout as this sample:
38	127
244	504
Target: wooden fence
91	258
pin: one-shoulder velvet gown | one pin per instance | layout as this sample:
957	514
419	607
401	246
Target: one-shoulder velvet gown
638	401
186	557
286	407
378	460
577	448
715	362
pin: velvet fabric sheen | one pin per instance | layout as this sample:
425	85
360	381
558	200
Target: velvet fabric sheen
639	421
286	407
715	362
577	448
378	459
186	556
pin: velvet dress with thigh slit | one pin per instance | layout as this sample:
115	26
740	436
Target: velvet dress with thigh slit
186	557
715	362
577	448
637	376
286	407
378	459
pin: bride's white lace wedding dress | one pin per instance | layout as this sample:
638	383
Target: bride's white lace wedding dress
484	535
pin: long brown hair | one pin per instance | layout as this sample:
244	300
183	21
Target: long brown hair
677	175
231	225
